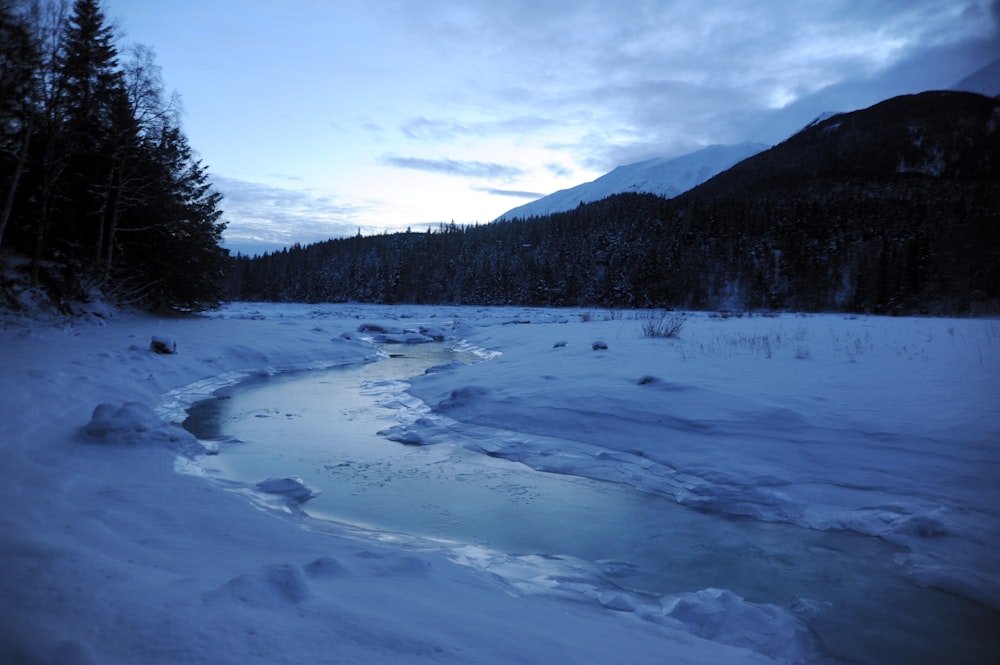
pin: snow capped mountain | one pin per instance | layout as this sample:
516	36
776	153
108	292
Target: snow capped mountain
826	115
985	80
670	177
662	176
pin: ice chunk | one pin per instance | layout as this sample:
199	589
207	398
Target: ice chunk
290	487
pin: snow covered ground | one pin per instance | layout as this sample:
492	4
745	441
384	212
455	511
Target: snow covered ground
889	427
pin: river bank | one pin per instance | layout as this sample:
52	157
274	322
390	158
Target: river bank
110	556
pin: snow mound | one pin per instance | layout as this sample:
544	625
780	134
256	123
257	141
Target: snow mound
618	601
921	526
325	567
461	397
164	344
135	423
383	334
291	488
723	616
420	432
271	586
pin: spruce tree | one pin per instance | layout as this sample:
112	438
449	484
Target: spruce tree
170	243
94	123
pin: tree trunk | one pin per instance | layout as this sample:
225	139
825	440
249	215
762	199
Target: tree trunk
103	215
8	204
113	229
51	172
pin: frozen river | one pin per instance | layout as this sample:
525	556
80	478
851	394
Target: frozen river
323	426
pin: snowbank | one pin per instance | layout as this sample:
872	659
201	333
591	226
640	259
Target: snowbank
884	426
110	556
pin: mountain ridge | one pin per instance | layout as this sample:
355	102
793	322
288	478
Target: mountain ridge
938	133
983	81
663	176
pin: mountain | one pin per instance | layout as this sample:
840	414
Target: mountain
669	177
984	81
943	134
666	177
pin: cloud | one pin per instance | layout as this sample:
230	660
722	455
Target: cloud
558	170
619	82
262	217
516	96
286	176
434	130
512	193
426	129
453	167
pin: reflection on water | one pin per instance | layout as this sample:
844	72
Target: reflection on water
322	426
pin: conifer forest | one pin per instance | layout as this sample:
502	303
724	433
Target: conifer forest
100	191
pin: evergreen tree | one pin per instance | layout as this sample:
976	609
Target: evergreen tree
171	256
96	122
99	184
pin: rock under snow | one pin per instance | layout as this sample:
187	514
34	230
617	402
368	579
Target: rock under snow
392	335
163	344
134	423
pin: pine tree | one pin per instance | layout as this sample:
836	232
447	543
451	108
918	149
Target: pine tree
170	245
98	183
95	122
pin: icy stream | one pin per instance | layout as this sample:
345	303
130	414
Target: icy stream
322	426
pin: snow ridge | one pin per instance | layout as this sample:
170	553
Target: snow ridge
662	176
984	81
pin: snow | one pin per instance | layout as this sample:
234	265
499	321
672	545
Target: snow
984	81
163	344
825	115
662	176
884	426
291	488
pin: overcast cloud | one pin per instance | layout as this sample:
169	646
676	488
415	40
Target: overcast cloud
271	217
467	169
389	113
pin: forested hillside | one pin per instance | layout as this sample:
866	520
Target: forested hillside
101	194
892	209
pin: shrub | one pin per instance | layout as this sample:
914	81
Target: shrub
663	324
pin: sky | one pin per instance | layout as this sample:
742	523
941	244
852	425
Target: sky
321	119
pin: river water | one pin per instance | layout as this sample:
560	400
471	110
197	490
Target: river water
323	426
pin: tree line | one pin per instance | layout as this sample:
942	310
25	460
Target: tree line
101	191
918	247
892	209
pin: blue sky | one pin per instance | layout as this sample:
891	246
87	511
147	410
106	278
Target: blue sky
320	118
